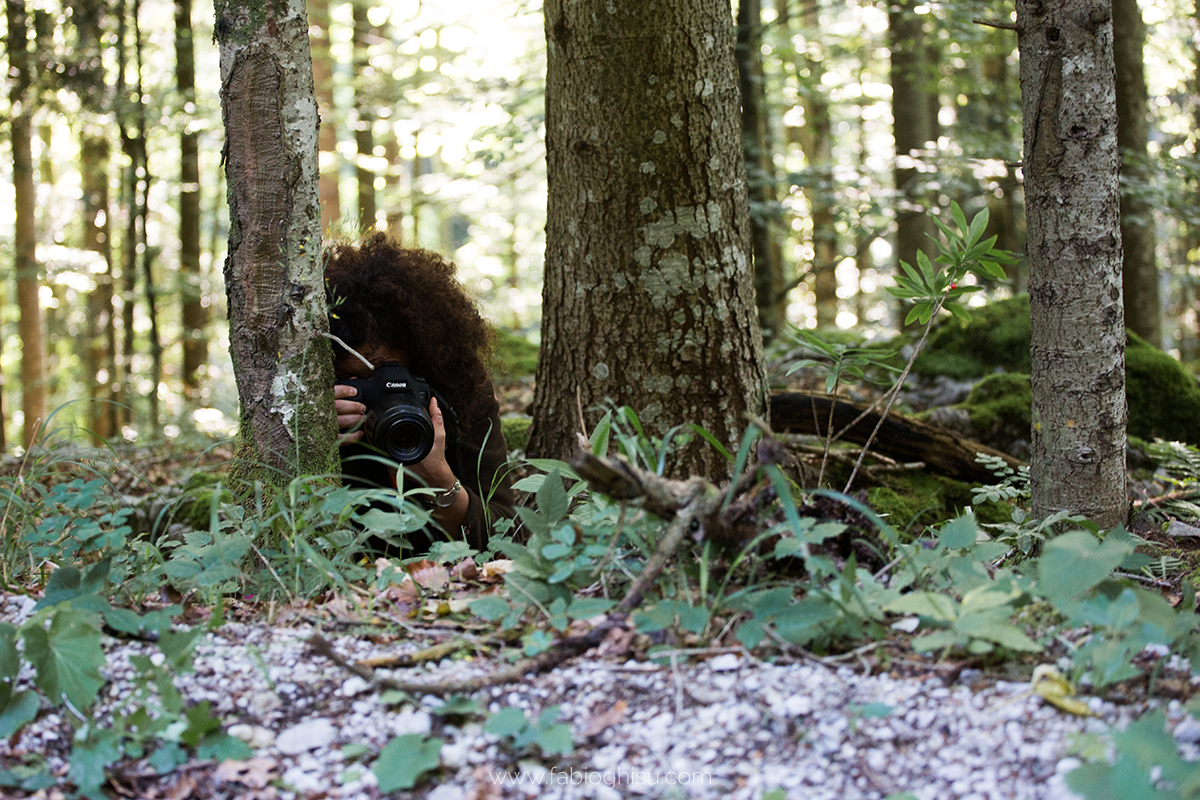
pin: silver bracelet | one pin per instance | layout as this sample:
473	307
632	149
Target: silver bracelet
446	497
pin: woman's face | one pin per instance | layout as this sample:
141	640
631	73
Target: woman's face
347	366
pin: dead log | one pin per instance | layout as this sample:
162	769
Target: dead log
901	438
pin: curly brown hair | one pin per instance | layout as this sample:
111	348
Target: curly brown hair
381	292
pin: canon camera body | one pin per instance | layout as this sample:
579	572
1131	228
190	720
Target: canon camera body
397	421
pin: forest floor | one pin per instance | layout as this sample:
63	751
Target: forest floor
313	687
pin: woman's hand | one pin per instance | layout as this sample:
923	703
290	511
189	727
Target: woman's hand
350	413
434	471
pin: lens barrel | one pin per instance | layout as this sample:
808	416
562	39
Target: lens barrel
404	432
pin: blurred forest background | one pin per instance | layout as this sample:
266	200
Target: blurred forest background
860	120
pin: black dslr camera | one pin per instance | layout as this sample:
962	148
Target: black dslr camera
398	421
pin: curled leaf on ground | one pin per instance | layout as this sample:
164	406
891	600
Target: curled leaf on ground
1050	685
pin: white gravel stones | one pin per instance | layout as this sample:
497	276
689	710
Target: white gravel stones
737	728
308	735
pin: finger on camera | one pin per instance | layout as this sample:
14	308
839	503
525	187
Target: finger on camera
341	390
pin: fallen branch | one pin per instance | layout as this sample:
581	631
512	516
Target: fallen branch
902	438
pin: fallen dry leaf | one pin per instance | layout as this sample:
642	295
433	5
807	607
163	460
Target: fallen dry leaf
429	575
495	570
1050	685
465	570
255	773
598	723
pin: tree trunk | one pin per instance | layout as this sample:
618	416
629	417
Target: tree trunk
913	112
1074	248
760	169
273	272
193	308
364	134
25	266
816	140
322	67
648	296
142	183
100	355
1143	313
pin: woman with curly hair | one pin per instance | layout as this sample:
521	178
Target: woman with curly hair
392	304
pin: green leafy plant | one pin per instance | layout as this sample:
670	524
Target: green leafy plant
405	760
544	733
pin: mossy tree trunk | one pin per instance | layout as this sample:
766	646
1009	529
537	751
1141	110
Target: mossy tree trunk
648	299
1074	249
273	272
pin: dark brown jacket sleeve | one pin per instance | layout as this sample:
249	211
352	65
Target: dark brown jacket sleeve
481	463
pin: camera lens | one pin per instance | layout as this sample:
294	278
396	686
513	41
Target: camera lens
405	433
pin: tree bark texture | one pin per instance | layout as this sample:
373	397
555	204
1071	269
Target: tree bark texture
273	273
194	310
1143	312
1074	249
31	326
648	297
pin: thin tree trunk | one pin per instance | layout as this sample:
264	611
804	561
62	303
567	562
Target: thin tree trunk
273	272
816	140
31	326
912	128
322	66
1143	312
142	205
1074	247
364	133
760	169
194	311
97	237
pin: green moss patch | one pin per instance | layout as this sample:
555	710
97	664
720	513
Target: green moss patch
999	409
1164	398
913	500
516	431
997	337
514	354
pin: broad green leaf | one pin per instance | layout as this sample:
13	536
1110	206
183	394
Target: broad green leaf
978	226
67	656
960	219
996	629
588	607
926	604
223	747
506	722
959	533
10	658
556	740
90	758
20	709
552	501
555	551
1077	561
490	608
200	723
404	760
